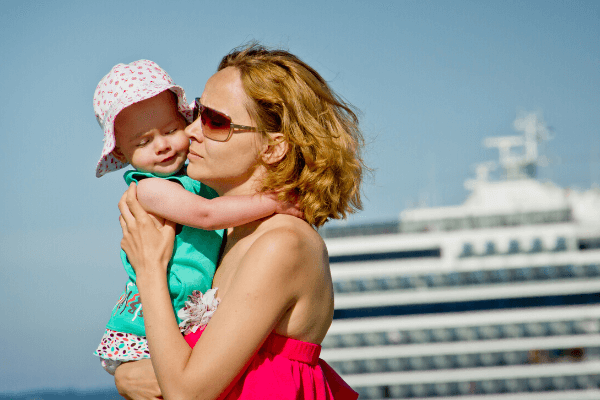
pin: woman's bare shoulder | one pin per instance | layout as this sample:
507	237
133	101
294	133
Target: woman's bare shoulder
292	229
292	240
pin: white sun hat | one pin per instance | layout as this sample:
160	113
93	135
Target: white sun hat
123	86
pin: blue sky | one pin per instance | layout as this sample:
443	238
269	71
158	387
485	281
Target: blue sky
432	79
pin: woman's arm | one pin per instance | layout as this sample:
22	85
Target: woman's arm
171	201
266	285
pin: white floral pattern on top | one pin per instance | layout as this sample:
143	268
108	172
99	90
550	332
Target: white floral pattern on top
198	310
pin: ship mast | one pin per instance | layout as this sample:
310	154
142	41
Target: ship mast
524	165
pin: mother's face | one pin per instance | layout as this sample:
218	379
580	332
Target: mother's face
228	167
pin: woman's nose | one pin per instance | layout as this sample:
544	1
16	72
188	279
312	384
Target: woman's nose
194	130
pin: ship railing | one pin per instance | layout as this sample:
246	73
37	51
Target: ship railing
464	326
355	305
557	381
485	221
390	276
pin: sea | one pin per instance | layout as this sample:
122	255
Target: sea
67	394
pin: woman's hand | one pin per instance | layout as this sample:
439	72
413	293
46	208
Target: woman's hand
147	240
135	380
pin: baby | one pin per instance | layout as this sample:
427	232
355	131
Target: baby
143	115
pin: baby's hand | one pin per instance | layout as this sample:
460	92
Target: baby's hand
286	207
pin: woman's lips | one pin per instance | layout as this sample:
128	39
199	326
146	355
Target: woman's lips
193	155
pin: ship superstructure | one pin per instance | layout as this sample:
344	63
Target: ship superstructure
498	298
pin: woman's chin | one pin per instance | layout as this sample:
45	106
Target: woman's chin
196	172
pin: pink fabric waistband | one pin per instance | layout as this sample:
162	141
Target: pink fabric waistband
276	344
292	349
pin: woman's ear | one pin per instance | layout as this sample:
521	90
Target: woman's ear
276	148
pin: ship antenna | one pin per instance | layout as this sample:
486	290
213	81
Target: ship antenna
521	166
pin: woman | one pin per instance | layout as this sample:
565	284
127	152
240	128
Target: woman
284	131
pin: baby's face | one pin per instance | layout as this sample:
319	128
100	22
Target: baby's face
150	135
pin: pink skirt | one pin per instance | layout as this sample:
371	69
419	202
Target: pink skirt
286	369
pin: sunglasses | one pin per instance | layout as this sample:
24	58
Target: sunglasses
216	125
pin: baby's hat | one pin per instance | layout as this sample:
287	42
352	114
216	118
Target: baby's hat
123	86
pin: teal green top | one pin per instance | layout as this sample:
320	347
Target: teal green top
192	266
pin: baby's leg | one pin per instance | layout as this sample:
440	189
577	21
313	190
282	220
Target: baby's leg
110	366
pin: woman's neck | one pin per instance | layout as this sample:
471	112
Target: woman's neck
240	232
242	186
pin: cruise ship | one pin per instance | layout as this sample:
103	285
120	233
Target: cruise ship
497	298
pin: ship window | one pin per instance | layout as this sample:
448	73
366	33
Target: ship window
467	250
377	284
371	392
490	248
571	271
589	244
561	244
561	328
454	279
400	391
513	330
476	277
394	283
513	246
444	388
536	245
465	333
331	341
362	284
549	272
395	337
375	338
392	255
441	362
375	365
499	276
434	280
465	360
523	274
442	335
420	390
490	359
350	367
419	336
534	329
352	340
514	357
396	364
490	332
338	287
592	270
345	286
418	363
404	282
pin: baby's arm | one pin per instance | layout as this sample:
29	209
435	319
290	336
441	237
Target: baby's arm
172	202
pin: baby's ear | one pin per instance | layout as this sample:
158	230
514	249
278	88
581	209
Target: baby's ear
119	155
275	149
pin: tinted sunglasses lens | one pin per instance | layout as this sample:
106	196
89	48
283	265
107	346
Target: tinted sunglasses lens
215	124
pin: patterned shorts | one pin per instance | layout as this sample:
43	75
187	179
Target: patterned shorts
117	347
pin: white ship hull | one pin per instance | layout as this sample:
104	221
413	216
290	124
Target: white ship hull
498	298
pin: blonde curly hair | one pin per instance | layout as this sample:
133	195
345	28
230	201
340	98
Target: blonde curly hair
322	169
